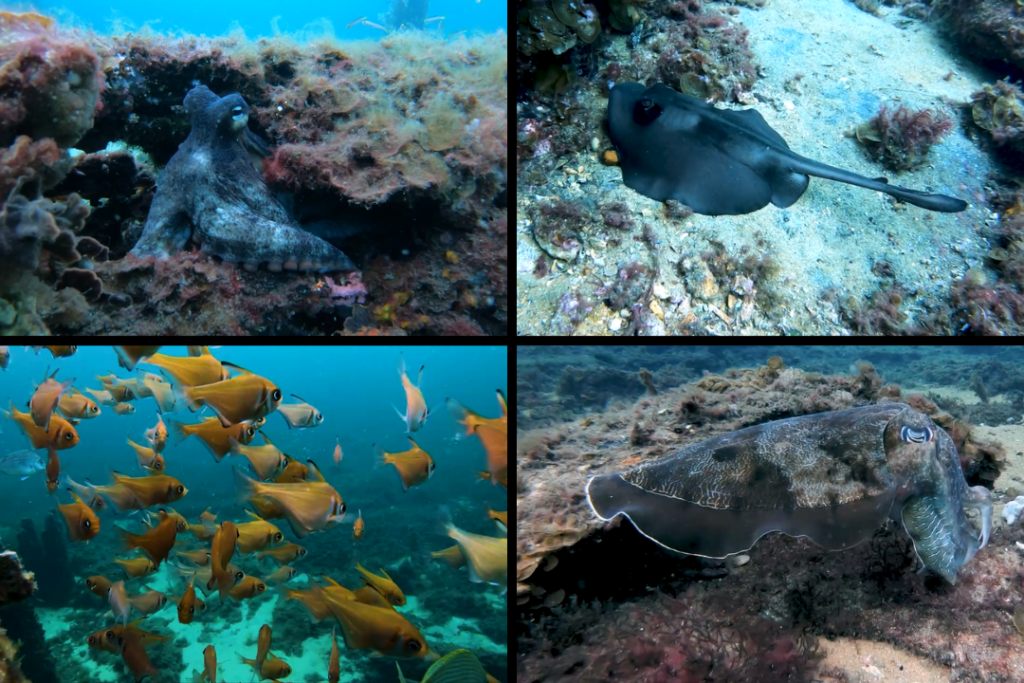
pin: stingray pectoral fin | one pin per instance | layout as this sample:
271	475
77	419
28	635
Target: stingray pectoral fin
694	529
932	202
787	187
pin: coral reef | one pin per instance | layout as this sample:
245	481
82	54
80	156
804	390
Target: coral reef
986	30
15	586
998	109
900	139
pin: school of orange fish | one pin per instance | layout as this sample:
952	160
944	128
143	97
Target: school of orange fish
282	488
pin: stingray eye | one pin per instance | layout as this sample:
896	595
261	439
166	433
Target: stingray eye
911	435
646	111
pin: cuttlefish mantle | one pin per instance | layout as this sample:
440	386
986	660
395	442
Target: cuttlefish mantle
210	192
833	477
719	161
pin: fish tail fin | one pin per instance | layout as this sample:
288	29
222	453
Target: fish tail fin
126	539
401	364
181	392
382	456
245	487
460	414
445	521
235	446
177	429
400	413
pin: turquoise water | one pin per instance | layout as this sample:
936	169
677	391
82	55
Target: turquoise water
354	389
257	18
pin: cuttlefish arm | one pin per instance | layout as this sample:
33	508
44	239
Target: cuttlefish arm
980	498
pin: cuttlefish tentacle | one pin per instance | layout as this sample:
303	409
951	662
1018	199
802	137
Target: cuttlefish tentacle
980	498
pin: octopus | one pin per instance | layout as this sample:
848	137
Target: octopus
833	477
211	193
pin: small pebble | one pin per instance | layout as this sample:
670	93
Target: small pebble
595	143
615	324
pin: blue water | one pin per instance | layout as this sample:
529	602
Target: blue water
355	389
255	17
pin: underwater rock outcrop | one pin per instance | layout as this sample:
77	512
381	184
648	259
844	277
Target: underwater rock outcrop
15	585
47	556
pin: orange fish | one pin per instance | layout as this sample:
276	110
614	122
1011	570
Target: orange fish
94	501
52	470
236	400
337	452
500	518
210	664
453	556
156	543
204	574
503	479
77	406
215	437
119	605
383	585
308	506
133	652
82	522
285	554
486	557
128	356
300	415
357	528
103	397
414	466
266	460
263	645
416	413
282	575
149	460
334	667
249	587
149	602
46	398
121	393
493	433
124	409
312	600
257	534
106	638
208	519
272	669
5	358
221	551
61	434
143	492
293	472
200	558
58	351
192	371
158	435
376	628
136	567
161	392
369	596
98	585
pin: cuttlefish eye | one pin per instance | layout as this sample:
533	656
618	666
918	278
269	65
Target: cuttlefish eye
276	395
911	435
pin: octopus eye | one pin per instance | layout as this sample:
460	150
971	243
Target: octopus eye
911	435
236	112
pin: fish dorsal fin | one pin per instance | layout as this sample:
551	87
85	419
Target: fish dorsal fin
267	439
236	367
196	351
330	580
255	516
414	444
300	398
386	575
316	471
75	496
503	402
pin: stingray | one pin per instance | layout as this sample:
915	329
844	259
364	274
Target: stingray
719	161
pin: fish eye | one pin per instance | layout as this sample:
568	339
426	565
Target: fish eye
302	552
191	610
276	395
278	536
319	417
68	436
414	645
180	489
128	393
91	640
250	431
239	576
109	634
95	409
261	587
342	508
87	524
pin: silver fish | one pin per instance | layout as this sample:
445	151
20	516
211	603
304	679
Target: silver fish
22	464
